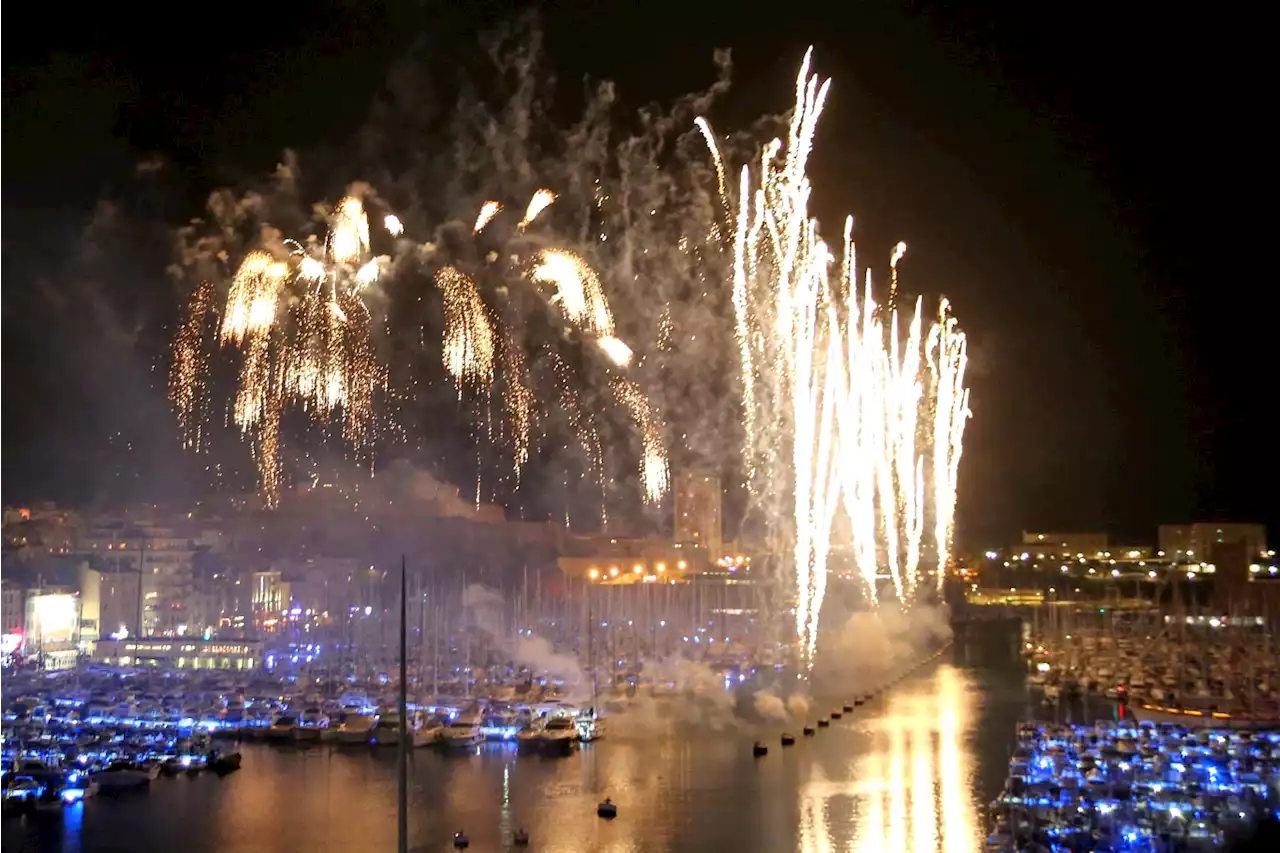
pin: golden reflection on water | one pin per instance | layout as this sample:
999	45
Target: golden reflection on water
911	786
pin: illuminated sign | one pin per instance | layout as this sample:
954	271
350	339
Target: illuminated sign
225	649
214	649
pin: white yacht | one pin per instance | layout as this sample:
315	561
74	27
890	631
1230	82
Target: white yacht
282	728
314	726
590	726
559	735
422	731
357	728
463	732
529	738
425	729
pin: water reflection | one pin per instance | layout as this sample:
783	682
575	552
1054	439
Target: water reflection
912	786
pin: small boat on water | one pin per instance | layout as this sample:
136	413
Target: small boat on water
836	714
607	809
520	838
460	840
788	739
759	749
848	707
807	731
224	764
823	723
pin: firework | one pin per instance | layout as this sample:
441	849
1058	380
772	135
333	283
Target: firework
305	338
848	402
541	200
488	210
190	366
578	290
300	341
348	232
468	334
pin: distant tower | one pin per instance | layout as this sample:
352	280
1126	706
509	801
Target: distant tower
698	511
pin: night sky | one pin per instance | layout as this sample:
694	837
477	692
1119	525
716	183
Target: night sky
1082	183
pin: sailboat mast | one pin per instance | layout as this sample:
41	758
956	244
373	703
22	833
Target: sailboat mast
402	801
591	649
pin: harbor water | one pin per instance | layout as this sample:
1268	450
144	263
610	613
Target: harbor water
909	771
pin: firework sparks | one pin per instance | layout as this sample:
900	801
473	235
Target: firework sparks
541	200
305	338
578	290
835	389
488	210
251	302
617	351
468	334
349	232
309	345
653	462
393	225
190	365
367	274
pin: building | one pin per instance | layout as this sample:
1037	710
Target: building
90	606
1047	543
272	598
180	653
52	627
14	619
698	509
159	558
1199	538
619	562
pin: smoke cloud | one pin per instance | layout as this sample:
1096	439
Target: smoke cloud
863	649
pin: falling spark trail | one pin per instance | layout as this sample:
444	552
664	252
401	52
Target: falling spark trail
845	403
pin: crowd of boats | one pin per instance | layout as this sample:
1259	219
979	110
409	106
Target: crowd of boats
550	727
1210	671
50	762
1134	786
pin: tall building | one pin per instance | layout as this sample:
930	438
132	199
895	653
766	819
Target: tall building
1199	538
129	553
14	606
697	504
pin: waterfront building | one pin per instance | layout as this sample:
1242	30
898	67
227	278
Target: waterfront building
1197	539
180	653
698	511
1057	544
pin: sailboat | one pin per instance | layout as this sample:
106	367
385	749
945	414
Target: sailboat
402	754
589	725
